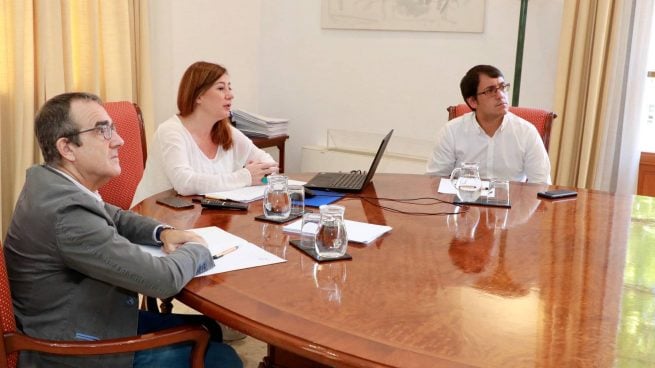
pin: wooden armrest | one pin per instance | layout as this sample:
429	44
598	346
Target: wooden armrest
15	341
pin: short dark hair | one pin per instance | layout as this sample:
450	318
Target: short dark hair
470	82
54	121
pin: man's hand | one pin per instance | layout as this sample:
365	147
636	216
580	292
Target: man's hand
174	239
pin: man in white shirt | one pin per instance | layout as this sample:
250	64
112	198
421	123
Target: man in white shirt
504	145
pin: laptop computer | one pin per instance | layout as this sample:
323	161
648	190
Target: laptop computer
348	182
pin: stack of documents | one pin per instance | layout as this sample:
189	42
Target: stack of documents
255	125
358	232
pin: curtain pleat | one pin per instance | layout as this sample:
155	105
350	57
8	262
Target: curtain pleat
593	74
51	47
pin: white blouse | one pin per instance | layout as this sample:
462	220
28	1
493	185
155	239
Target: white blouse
176	161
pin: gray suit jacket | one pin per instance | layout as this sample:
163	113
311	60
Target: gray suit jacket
75	267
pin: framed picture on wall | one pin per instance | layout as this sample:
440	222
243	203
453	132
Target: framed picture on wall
404	15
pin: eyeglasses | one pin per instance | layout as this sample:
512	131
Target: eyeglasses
491	91
106	128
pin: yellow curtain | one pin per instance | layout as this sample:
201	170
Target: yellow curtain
590	48
51	47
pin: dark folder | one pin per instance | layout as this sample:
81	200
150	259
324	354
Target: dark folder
321	197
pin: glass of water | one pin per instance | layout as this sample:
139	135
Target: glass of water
297	195
466	180
308	230
331	237
277	204
499	188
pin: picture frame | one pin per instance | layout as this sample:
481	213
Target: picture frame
404	15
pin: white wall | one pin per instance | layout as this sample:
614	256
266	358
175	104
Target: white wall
219	31
283	64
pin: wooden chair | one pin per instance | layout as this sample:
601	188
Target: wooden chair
14	341
126	115
542	119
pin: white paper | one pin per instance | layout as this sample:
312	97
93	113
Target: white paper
446	187
358	232
247	256
246	194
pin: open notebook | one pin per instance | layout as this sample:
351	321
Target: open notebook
349	182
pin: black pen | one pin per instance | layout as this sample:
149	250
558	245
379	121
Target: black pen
227	251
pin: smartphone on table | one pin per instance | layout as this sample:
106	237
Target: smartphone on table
557	193
175	202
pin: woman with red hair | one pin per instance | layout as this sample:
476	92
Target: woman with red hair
198	151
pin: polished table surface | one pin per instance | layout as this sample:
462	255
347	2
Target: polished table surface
565	283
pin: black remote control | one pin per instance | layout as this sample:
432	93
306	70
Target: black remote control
223	205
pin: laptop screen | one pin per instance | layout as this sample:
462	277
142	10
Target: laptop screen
378	158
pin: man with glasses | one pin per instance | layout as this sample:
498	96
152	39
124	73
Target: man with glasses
75	263
504	145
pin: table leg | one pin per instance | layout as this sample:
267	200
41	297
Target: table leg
280	147
280	358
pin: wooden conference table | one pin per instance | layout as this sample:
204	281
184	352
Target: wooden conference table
562	283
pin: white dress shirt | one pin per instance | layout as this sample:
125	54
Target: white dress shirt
515	152
175	161
84	189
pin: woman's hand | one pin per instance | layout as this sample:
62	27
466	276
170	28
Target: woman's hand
260	169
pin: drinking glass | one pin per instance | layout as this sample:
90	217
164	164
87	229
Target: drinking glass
297	195
499	188
277	204
466	180
331	237
308	230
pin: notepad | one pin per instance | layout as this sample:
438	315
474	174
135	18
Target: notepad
245	194
358	232
248	255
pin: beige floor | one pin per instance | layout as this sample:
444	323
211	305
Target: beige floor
251	350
